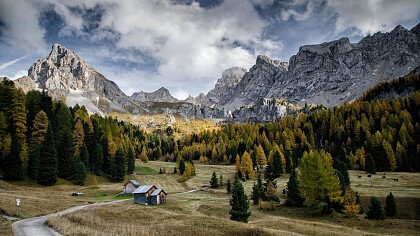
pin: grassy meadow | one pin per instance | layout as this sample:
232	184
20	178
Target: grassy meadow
206	211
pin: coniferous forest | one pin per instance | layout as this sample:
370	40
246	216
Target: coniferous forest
42	140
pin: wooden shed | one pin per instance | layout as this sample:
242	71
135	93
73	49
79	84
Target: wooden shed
158	197
130	186
142	194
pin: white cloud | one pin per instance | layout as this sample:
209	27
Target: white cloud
9	63
21	26
370	16
290	11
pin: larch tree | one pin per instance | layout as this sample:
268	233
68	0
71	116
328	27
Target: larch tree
39	129
261	158
78	137
246	165
319	184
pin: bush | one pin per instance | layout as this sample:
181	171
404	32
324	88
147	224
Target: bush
268	205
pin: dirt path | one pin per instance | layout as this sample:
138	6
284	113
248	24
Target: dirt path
36	226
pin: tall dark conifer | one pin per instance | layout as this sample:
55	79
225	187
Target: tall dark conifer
48	161
239	203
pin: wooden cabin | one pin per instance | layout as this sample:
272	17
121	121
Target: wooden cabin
130	186
142	194
158	197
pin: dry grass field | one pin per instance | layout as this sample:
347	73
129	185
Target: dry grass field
206	212
5	227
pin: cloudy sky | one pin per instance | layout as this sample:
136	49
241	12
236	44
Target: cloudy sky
183	45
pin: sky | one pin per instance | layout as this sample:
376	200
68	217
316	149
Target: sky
184	45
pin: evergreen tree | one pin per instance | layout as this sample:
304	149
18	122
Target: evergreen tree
269	176
277	165
221	183
181	166
318	182
131	161
294	196
80	173
14	167
239	203
66	161
118	167
84	157
213	181
370	164
257	190
33	164
228	187
47	174
98	157
18	115
391	206
375	210
343	175
271	193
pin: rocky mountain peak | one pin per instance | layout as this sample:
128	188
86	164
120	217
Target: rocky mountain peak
160	95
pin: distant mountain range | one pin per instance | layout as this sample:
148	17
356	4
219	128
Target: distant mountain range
329	74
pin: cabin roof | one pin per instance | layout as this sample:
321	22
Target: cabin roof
134	182
157	191
144	189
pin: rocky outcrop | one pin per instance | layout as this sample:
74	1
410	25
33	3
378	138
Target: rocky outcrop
66	76
25	83
225	85
160	95
339	71
200	100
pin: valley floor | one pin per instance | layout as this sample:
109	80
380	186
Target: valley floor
205	211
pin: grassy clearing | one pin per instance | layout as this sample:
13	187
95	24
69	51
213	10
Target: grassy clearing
145	170
5	227
206	212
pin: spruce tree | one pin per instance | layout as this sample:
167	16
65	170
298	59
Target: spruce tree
277	165
239	203
118	167
228	187
33	163
294	196
213	181
343	174
14	167
80	173
131	161
66	161
370	164
269	176
39	129
181	166
98	157
375	210
391	206
257	190
84	157
48	161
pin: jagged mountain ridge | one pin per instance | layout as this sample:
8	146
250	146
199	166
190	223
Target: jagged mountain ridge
160	95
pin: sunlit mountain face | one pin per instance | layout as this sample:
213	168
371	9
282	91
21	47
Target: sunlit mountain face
184	45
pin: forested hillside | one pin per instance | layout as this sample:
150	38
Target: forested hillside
41	139
380	135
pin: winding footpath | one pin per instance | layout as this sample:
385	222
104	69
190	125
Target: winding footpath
36	226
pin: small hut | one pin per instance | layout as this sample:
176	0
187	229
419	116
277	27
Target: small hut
130	186
158	197
142	194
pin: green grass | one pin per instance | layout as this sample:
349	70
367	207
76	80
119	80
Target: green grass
145	170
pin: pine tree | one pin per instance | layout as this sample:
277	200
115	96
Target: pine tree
239	203
375	210
131	161
391	206
294	196
221	183
98	157
14	167
181	166
318	182
228	187
80	173
66	163
257	190
84	157
213	181
370	164
277	165
343	175
47	174
118	167
33	164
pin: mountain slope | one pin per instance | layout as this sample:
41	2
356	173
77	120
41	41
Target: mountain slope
160	95
66	76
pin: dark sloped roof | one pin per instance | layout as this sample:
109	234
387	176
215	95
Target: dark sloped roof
157	191
144	189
